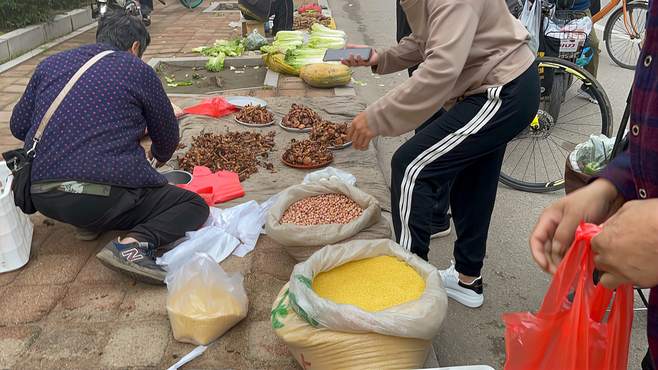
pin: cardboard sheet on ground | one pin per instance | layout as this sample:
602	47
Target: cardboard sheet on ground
264	184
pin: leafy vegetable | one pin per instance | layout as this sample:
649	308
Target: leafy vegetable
303	56
318	42
289	35
320	30
233	48
216	64
171	82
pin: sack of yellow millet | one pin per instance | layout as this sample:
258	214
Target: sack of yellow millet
360	305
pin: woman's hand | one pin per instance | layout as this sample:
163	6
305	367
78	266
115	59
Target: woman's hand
357	61
557	225
359	132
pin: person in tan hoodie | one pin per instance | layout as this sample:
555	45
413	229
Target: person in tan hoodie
476	88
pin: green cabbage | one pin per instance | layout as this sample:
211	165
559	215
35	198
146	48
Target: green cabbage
233	48
216	64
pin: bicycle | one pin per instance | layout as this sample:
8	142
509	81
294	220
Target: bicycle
534	160
624	30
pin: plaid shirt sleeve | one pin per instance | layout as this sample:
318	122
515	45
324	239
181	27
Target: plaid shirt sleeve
619	173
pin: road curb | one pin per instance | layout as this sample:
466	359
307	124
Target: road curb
23	40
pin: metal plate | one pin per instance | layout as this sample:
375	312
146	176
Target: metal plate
298	130
309	167
254	124
339	147
243	101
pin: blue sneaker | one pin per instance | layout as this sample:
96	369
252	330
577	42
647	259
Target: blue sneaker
134	259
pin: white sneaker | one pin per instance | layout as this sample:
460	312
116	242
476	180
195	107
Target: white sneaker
470	295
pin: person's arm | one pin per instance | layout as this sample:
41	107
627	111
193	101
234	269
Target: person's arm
619	173
399	57
21	117
160	119
452	27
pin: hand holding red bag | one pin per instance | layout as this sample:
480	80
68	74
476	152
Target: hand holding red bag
573	335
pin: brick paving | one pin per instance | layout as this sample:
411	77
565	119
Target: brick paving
65	310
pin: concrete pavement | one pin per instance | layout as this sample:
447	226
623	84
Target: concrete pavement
512	280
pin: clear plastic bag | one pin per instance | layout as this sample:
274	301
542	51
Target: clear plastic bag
203	301
255	40
330	173
593	155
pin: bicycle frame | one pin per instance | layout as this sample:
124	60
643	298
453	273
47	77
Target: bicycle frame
629	24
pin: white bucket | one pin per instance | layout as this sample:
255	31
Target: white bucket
15	227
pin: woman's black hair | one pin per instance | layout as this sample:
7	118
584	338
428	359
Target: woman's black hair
121	30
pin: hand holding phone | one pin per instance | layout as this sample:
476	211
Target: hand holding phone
353	56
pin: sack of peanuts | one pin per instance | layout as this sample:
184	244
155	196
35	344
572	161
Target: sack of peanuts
306	217
361	305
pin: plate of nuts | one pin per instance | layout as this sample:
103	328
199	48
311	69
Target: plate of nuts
332	135
254	116
306	154
300	119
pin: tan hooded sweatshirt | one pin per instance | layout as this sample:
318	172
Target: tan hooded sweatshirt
463	47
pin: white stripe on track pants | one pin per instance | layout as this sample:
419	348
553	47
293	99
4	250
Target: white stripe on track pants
465	146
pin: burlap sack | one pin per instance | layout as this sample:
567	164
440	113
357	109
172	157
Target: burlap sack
301	241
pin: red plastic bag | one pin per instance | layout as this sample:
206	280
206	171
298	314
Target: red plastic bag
214	188
573	336
215	107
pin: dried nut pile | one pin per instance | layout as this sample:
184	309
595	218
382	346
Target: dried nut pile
301	117
330	134
307	153
254	114
239	152
322	209
305	21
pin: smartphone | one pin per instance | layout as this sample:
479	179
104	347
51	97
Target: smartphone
336	55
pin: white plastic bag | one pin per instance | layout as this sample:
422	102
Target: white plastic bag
330	173
419	319
531	19
213	241
203	301
244	222
593	155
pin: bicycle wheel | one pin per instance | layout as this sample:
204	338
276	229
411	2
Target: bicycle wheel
191	3
534	160
623	39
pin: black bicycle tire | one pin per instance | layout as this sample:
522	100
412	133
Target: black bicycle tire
194	3
607	31
606	127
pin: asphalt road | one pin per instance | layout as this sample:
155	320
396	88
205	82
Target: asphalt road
512	281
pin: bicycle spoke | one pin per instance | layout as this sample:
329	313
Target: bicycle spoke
528	165
570	131
543	161
508	155
520	158
560	149
557	164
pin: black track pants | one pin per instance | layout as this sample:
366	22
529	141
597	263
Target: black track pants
463	147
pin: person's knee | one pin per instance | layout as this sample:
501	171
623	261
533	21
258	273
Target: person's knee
201	211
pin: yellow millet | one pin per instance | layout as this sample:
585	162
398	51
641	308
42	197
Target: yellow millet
372	284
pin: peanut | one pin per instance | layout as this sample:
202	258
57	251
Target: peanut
322	210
